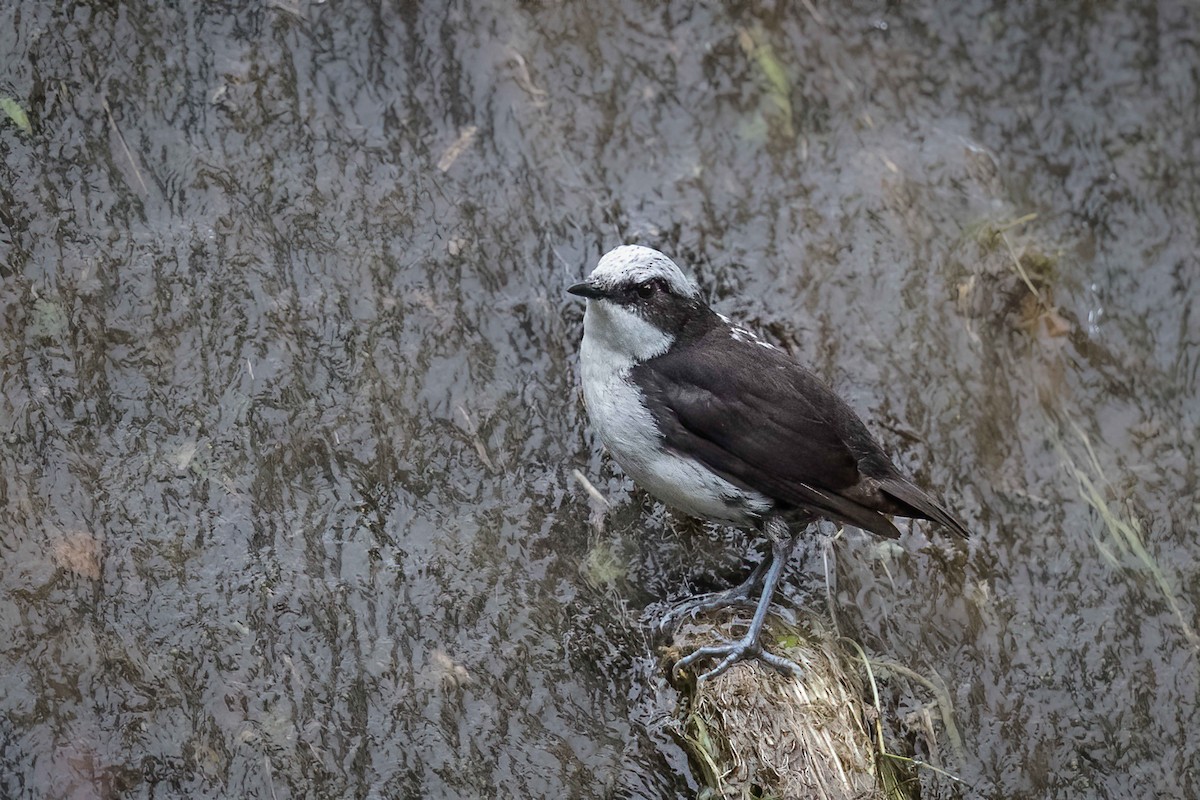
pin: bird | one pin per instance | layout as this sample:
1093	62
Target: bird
720	424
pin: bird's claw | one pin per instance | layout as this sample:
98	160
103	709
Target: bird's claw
732	653
709	602
783	665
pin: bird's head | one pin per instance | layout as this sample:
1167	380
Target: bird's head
638	302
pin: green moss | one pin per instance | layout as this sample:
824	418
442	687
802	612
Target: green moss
48	320
13	110
603	566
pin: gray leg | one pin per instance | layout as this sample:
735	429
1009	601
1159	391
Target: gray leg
744	594
748	646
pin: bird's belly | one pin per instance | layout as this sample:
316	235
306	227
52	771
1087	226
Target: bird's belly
627	428
688	487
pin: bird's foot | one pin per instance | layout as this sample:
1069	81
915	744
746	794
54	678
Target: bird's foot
746	594
733	652
763	579
737	596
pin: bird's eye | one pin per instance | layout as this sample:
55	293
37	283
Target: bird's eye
649	288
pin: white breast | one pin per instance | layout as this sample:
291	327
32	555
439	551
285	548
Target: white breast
619	414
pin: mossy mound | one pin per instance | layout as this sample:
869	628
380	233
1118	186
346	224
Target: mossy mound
752	732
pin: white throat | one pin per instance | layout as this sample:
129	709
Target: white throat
615	338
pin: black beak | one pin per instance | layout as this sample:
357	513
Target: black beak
587	289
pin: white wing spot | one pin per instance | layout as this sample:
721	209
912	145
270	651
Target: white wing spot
740	334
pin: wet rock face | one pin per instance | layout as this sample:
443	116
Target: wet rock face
289	404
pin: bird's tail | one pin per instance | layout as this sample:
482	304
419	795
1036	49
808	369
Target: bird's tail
923	504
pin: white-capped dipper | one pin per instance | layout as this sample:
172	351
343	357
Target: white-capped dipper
719	424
